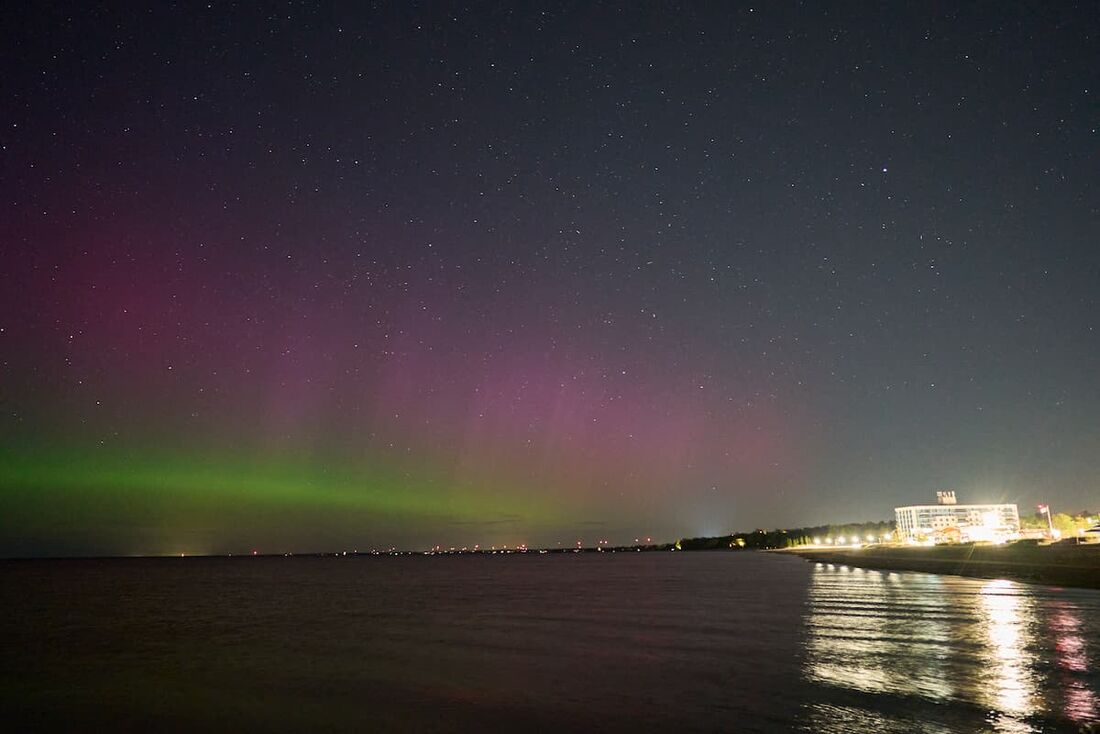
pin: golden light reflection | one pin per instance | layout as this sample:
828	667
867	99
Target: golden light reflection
858	640
916	652
1011	690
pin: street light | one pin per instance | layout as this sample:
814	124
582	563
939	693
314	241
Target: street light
1045	509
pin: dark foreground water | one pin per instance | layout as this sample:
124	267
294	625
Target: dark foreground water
625	642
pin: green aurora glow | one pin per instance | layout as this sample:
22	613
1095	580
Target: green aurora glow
185	502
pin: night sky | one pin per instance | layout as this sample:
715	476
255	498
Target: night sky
300	278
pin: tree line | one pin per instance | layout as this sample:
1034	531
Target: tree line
862	532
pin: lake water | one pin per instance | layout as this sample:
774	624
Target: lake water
635	642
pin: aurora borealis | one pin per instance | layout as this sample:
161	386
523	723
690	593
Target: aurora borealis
340	276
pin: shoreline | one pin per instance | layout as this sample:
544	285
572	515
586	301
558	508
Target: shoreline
1071	566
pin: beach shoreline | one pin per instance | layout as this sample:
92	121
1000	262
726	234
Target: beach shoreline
1076	566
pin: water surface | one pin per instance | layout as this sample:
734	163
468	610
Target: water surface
623	642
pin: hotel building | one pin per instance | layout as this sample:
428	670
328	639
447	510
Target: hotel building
948	521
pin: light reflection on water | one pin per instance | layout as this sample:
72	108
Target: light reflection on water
890	651
1008	617
1073	660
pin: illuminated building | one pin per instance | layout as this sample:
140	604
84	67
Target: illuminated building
948	521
